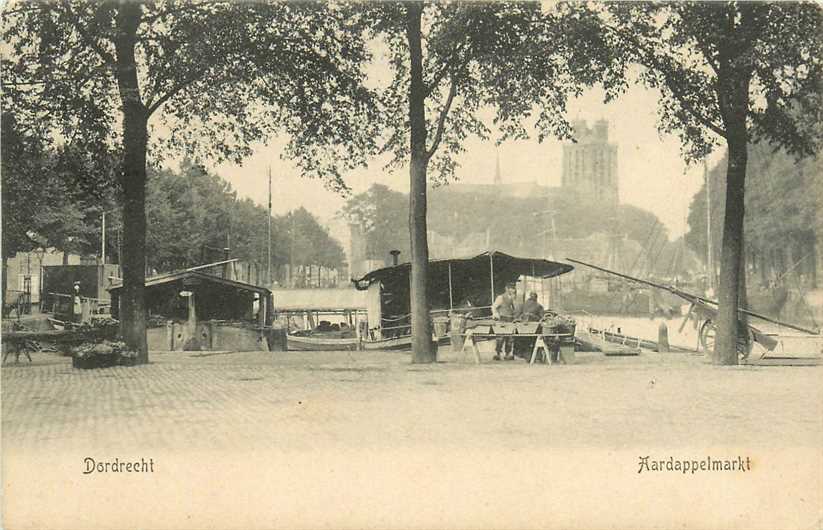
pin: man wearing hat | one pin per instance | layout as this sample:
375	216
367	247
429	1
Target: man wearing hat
532	310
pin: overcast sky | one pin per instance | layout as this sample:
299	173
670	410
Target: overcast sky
651	172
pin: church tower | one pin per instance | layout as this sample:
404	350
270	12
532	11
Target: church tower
590	164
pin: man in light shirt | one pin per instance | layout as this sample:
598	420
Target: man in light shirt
503	309
77	305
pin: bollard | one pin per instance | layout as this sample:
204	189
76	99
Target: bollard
663	338
457	328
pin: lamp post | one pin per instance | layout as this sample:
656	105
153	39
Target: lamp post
103	235
40	252
548	254
103	241
550	214
268	240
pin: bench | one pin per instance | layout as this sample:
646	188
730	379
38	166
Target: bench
565	353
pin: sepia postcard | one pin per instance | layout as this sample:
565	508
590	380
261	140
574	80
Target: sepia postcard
411	265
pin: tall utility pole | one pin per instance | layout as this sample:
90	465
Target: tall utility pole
291	250
709	253
268	240
103	241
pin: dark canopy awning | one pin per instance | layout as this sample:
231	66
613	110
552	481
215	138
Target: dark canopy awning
466	282
475	266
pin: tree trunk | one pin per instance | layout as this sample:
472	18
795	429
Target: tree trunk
423	351
133	180
725	349
743	289
5	273
65	257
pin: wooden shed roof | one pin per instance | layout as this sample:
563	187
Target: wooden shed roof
170	277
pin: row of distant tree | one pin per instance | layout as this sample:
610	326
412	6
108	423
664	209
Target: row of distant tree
520	225
53	197
783	223
193	215
56	197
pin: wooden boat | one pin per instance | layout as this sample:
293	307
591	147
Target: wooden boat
403	343
464	286
321	341
596	340
626	340
313	342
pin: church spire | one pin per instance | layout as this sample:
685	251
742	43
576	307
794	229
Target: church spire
497	178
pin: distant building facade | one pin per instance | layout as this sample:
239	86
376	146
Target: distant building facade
359	262
503	188
520	190
590	164
28	267
589	173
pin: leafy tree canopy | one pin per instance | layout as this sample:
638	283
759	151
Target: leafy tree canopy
695	53
53	197
193	215
514	61
782	209
225	74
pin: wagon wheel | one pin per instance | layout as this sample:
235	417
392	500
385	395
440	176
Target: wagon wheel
745	339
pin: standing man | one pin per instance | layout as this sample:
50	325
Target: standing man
77	305
503	309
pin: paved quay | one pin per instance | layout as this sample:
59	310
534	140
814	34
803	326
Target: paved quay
366	439
357	399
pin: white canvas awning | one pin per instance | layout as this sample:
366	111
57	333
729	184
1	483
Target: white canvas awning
319	299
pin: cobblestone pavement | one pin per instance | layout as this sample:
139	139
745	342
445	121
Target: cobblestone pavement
364	399
366	439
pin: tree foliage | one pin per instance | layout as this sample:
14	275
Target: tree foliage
781	223
515	224
193	215
694	52
736	72
489	69
214	76
382	214
53	197
24	163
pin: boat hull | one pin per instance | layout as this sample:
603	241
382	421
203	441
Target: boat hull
303	343
403	343
394	344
